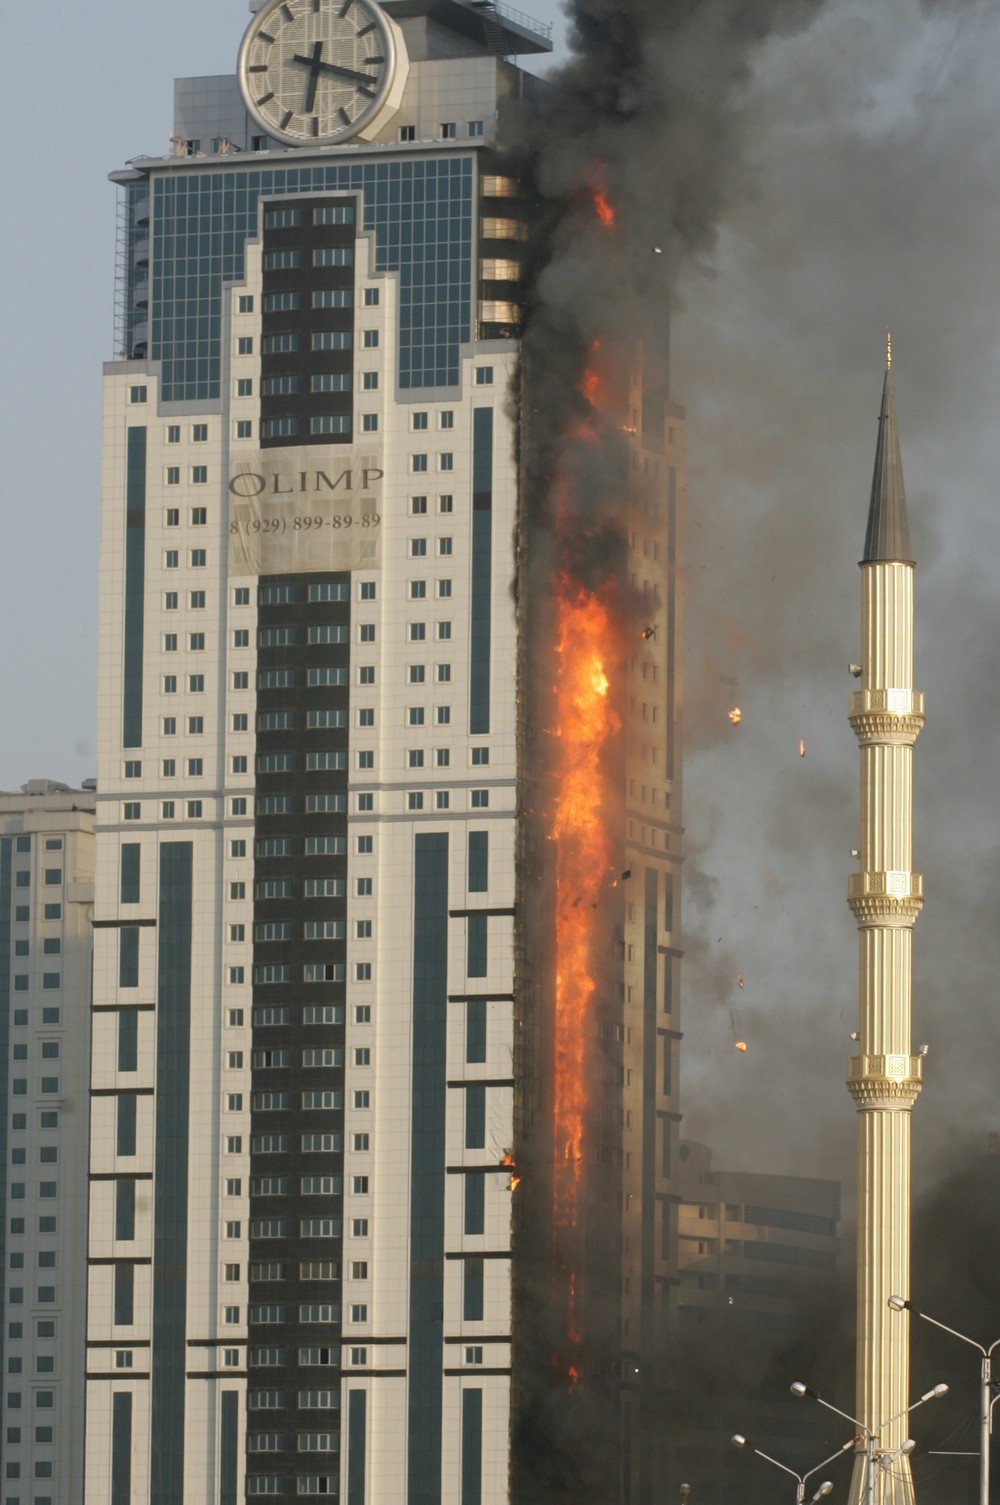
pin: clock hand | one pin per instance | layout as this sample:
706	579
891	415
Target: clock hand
321	67
315	64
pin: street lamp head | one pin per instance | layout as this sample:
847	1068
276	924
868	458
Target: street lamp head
907	1447
797	1388
739	1441
824	1489
898	1304
938	1391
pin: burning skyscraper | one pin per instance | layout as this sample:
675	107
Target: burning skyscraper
388	825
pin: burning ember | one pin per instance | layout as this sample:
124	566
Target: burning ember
741	1045
605	213
736	715
802	748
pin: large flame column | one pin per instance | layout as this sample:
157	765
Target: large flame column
884	1078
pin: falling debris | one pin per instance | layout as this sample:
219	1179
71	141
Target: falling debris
626	874
648	632
736	715
739	980
741	1045
802	748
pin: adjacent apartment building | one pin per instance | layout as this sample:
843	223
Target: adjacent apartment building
46	902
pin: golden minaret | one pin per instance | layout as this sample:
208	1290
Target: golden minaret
884	1078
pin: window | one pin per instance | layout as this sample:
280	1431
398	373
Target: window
480	799
446	420
446	461
332	339
331	381
444	546
173	479
442	800
333	297
415	714
333	256
484	376
199	433
279	386
449	130
418	590
366	674
244	304
446	504
407	133
241	680
475	127
369	381
244	428
480	755
169	726
369	423
282	261
173	433
196	683
131	812
285	343
196	642
199	475
244	386
171	559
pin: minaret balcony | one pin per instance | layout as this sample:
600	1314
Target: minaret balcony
891	898
886	715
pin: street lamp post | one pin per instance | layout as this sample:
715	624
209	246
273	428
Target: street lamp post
986	1399
873	1458
739	1441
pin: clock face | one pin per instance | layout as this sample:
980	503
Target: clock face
320	71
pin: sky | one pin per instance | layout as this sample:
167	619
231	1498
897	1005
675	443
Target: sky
866	197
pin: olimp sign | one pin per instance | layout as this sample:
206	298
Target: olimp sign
289	515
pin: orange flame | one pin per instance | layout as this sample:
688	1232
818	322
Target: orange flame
741	1045
736	715
584	722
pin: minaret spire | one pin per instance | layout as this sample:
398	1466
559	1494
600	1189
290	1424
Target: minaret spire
888	535
886	896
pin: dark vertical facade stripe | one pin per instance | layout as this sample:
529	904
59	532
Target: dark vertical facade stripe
173	1087
6	858
475	1201
135	584
121	1448
357	1406
229	1432
125	1208
287	375
427	1167
128	956
480	638
125	1125
300	878
130	872
472	1447
479	861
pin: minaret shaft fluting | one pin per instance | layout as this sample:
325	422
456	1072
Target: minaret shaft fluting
886	897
